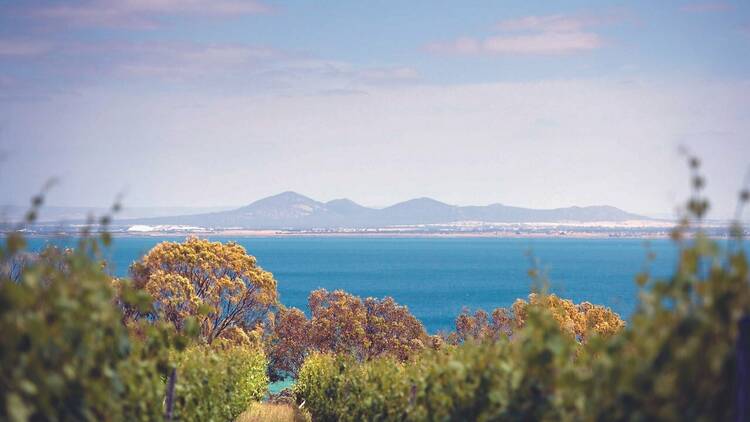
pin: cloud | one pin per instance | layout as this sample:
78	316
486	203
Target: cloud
311	76
177	61
219	68
389	73
706	7
23	48
537	35
141	14
556	23
543	43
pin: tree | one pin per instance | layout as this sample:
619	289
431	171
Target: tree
219	282
338	323
289	343
392	330
343	324
577	321
482	326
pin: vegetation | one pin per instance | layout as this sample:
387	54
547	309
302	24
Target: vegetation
218	283
218	383
272	412
677	360
579	321
64	353
344	324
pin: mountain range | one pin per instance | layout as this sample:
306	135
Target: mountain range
290	210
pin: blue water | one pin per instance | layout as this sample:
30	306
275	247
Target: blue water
437	277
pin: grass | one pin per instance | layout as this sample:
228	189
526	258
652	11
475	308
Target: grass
267	412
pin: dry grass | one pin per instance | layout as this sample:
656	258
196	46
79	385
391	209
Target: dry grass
267	412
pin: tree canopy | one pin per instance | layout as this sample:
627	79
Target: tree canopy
219	282
577	320
342	323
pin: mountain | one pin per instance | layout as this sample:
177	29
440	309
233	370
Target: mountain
290	210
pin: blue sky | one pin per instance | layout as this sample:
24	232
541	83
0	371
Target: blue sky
215	103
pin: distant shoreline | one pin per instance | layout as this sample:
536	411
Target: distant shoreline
384	235
568	230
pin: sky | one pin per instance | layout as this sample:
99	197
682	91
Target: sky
211	103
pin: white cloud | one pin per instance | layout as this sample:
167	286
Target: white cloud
184	61
560	23
243	69
543	23
542	43
538	35
142	13
389	73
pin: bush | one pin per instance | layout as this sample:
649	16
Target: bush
488	381
217	383
64	352
339	388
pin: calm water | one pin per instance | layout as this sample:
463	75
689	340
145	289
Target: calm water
436	278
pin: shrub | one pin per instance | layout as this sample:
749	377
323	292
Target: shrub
216	383
64	352
488	381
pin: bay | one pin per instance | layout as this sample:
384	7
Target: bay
437	277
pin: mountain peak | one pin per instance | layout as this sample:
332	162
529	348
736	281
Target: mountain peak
342	201
422	201
282	206
290	195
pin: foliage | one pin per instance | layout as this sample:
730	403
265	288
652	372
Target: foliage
577	320
676	360
328	385
64	353
271	412
217	383
343	323
218	283
392	330
289	342
490	381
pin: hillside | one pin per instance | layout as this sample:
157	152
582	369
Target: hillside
290	210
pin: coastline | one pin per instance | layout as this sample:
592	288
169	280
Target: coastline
383	235
568	230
